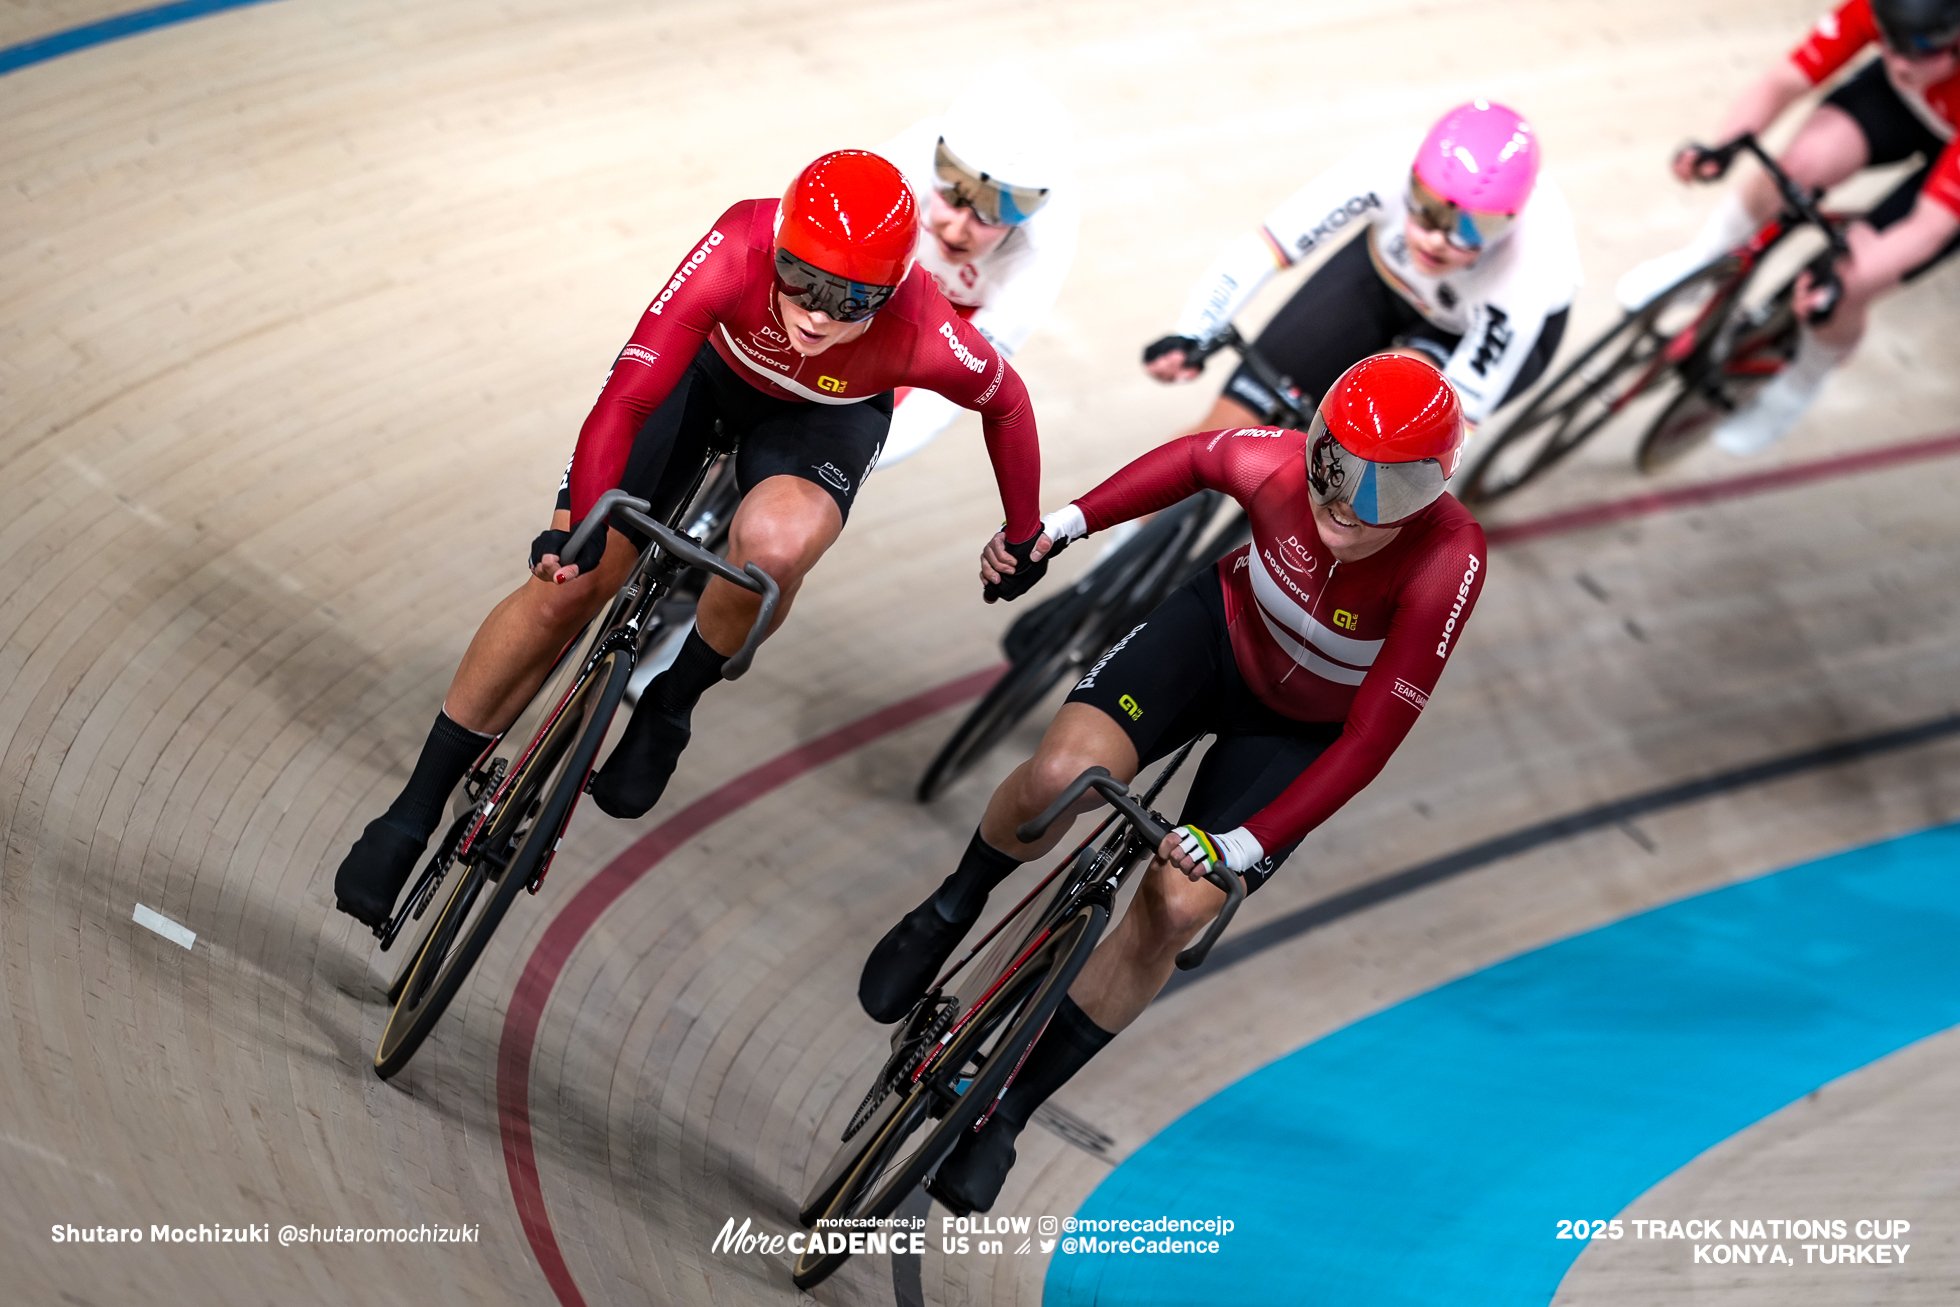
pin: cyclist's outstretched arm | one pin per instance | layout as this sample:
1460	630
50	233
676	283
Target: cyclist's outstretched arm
1780	86
664	342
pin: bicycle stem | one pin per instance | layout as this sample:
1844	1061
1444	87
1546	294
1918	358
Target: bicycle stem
1152	830
750	577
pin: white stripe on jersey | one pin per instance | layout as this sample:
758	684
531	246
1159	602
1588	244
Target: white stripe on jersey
1306	657
1281	611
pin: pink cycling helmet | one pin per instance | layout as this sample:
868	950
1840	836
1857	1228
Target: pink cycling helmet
1480	156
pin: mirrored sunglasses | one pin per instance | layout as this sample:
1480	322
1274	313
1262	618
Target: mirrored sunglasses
993	201
817	291
1462	228
1381	494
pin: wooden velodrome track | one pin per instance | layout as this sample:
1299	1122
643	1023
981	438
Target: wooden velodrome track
303	304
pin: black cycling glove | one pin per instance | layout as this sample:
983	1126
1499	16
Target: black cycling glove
1025	573
554	541
1156	349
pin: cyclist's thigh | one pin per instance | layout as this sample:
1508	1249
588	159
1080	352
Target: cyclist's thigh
832	446
1542	352
1342	314
1892	131
1161	681
1243	772
669	446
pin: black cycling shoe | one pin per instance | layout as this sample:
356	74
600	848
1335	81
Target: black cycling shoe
372	874
970	1178
906	960
636	775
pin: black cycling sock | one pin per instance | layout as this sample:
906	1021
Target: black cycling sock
1063	1049
963	894
696	667
446	755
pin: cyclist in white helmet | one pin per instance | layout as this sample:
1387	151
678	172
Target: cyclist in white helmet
999	214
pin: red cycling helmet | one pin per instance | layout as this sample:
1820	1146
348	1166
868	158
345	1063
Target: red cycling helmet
1385	438
845	235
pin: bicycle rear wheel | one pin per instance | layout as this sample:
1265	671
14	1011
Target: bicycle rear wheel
1614	371
878	1168
504	858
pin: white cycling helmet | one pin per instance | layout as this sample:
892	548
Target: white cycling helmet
1003	147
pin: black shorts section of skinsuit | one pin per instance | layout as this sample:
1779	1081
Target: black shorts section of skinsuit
833	446
1344	313
1173	678
1892	132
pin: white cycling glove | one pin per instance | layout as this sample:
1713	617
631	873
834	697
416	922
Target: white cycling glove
1065	524
1238	849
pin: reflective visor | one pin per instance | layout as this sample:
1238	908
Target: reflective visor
993	201
817	291
1463	228
1918	45
1382	494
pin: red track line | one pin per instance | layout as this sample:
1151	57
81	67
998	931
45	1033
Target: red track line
568	928
1708	492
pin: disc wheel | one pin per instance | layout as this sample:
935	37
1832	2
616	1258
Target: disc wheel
1632	357
1757	347
500	864
873	1173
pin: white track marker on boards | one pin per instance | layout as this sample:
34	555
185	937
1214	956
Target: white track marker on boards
164	926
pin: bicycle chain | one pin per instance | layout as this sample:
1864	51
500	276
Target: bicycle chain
903	1064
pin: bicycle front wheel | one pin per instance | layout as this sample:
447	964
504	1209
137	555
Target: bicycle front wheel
879	1167
1615	370
524	829
1756	346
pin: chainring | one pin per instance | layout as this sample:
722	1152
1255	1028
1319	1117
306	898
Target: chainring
903	1064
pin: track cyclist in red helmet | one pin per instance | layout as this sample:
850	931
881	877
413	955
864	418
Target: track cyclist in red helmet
788	325
1309	654
1904	104
1454	248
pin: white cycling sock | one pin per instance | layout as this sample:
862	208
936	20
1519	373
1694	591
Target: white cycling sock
1727	227
1781	403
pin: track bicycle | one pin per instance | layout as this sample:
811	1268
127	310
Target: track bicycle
1715	336
516	802
668	624
1064	634
955	1055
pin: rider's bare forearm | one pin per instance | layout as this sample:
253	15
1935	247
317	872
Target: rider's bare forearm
1764	101
1900	248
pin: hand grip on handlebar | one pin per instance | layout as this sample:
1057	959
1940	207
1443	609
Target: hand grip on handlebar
1800	200
1824	279
1152	830
595	519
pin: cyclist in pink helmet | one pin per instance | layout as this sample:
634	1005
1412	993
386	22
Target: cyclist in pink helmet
1483	158
1454	249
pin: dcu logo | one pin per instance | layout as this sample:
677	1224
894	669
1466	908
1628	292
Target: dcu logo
1295	556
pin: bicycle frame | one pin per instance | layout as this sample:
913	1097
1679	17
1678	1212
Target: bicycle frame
666	555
